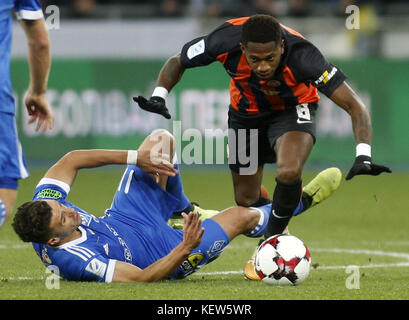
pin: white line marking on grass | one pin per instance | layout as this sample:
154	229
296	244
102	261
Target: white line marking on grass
23	278
391	243
14	246
401	255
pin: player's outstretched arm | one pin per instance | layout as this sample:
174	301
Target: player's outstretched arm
347	99
161	269
67	167
169	76
39	60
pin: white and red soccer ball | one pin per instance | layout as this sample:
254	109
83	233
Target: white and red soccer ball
283	260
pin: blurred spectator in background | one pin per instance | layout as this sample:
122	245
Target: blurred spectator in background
170	8
298	8
262	6
222	8
75	8
83	8
217	8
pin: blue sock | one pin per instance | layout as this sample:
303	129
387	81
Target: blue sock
261	227
175	187
2	213
299	209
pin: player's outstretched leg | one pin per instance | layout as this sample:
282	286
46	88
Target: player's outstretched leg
323	185
315	192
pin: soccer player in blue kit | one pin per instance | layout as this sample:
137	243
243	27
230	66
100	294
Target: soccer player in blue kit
12	161
132	241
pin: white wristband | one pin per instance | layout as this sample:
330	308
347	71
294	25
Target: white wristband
160	92
132	157
363	149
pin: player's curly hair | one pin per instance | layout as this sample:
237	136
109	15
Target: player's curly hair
32	222
261	28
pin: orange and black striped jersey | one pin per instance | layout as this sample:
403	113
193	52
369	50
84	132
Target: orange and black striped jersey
302	70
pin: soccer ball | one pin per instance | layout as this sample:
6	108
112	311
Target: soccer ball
283	260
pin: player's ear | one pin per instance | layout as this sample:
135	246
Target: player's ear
54	241
282	46
242	47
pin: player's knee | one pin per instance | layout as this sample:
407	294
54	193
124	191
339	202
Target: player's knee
289	173
245	200
244	195
248	218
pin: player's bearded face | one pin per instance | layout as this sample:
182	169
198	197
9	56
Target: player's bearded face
263	58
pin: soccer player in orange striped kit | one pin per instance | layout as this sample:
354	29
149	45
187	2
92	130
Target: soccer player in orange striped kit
275	78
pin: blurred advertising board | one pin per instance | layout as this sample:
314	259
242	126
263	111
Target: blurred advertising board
93	108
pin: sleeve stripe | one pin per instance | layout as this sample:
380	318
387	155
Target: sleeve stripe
110	271
29	15
58	183
81	252
76	253
84	251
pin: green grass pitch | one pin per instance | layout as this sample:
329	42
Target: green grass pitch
365	224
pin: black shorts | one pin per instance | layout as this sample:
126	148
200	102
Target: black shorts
265	130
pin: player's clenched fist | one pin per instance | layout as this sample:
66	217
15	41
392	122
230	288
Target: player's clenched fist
154	104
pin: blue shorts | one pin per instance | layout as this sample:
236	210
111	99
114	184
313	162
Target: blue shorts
12	161
141	203
214	241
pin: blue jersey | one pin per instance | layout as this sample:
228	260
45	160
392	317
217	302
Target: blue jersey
24	9
133	230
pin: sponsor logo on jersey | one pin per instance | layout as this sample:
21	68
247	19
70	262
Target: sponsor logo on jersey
127	251
106	248
195	259
44	256
270	92
86	218
191	263
273	83
96	267
196	49
49	193
326	76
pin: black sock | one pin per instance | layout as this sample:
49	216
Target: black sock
306	200
285	200
260	202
